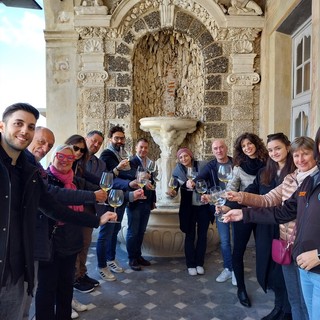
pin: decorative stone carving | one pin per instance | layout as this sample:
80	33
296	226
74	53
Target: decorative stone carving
62	65
244	7
64	17
243	46
243	79
93	45
92	32
166	13
92	78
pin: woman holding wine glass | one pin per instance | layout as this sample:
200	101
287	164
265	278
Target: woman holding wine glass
193	214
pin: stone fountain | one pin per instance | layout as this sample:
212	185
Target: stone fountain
163	237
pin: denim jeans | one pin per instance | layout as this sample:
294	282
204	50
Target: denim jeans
225	243
295	296
11	298
107	239
138	217
195	243
310	284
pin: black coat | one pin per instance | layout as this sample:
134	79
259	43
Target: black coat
266	268
35	196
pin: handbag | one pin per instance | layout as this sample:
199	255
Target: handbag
282	249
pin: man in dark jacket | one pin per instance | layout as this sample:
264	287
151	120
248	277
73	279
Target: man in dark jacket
22	192
210	174
138	212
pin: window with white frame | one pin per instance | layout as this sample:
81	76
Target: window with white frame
301	86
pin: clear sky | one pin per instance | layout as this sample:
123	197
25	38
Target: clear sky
22	57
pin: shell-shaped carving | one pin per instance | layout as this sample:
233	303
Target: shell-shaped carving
93	45
243	46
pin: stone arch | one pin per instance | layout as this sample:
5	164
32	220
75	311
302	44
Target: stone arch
214	68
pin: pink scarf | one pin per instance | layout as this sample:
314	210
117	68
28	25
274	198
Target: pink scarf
67	180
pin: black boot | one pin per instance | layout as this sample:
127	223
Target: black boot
243	298
273	315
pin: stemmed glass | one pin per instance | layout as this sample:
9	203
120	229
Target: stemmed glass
106	183
124	154
152	168
201	188
142	177
115	199
173	183
225	173
191	174
218	198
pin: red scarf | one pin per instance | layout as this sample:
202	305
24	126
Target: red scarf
67	180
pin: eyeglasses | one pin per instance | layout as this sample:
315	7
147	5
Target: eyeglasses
76	148
61	156
119	138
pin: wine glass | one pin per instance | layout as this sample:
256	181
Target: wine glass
151	166
201	186
124	154
191	173
106	183
115	199
142	177
218	198
225	173
173	183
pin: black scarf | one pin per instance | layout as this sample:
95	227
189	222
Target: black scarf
251	166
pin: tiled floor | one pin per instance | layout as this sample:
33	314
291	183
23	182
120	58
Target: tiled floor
164	291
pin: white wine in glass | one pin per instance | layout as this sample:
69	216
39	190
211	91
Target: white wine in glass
218	198
115	200
225	173
191	173
106	183
173	183
142	177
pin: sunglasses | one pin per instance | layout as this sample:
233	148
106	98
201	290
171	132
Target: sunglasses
76	148
61	156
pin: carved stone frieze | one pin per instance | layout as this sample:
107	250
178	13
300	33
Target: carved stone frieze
92	78
92	32
234	34
244	79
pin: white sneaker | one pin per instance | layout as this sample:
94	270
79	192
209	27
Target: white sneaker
224	275
192	271
234	280
76	305
106	275
200	270
74	314
114	266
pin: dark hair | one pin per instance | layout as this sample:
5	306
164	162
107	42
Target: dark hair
114	130
93	132
270	171
142	140
17	107
316	146
239	157
81	163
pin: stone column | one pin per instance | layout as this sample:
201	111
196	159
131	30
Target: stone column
242	80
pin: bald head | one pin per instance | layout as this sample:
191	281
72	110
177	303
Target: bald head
42	142
220	150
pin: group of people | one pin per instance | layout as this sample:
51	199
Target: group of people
263	176
48	215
